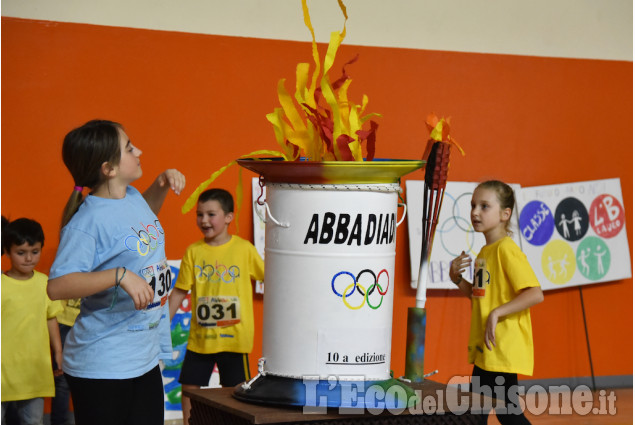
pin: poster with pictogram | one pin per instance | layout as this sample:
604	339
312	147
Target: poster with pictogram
575	233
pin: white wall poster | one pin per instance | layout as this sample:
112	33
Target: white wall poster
454	232
575	233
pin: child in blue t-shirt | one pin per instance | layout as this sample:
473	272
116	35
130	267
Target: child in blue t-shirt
112	256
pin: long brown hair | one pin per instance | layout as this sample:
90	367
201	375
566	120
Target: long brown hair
84	151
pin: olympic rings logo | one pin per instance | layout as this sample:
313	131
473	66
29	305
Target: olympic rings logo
145	240
356	286
207	273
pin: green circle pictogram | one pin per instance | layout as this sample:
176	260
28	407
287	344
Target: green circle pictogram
593	258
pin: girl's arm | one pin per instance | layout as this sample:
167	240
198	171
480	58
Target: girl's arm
528	297
465	287
176	298
56	344
83	284
155	194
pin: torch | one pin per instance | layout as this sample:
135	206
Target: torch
436	173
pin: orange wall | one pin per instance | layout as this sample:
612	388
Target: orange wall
197	102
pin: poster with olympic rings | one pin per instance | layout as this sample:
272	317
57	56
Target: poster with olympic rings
575	233
454	232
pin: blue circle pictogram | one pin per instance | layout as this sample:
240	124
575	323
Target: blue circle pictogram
536	223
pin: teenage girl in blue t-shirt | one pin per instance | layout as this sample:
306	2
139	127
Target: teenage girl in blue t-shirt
112	255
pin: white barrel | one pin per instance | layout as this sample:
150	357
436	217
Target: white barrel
329	277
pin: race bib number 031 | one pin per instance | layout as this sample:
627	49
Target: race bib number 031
218	311
159	277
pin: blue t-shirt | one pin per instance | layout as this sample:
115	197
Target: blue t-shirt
110	339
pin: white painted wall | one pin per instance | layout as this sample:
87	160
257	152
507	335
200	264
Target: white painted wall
593	29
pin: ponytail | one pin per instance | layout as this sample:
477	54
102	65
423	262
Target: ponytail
72	205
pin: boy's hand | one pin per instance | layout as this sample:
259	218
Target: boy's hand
57	364
459	265
174	178
138	289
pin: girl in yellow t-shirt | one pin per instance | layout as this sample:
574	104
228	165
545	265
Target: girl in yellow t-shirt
504	287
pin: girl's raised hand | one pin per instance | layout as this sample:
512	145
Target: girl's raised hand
138	289
174	178
459	265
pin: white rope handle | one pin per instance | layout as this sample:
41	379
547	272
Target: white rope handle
268	213
405	209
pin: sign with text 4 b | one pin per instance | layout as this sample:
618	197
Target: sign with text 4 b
575	233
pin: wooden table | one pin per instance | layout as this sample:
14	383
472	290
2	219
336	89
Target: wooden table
217	406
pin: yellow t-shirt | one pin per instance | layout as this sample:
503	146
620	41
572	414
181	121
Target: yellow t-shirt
222	303
71	311
27	371
501	271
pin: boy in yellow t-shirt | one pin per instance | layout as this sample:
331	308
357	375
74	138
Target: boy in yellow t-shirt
219	270
29	327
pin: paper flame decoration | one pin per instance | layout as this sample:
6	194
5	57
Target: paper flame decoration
332	126
439	132
331	129
331	132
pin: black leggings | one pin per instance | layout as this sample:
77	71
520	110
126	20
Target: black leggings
506	386
134	401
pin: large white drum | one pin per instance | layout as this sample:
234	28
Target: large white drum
329	276
329	279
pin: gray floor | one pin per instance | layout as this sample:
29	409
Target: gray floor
47	420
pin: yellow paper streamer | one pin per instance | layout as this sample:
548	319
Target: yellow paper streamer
437	131
239	198
316	56
193	198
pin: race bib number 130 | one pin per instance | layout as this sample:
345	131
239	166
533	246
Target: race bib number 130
159	277
218	311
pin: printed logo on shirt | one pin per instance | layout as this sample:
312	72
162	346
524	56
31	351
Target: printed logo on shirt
216	273
481	278
145	238
74	303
